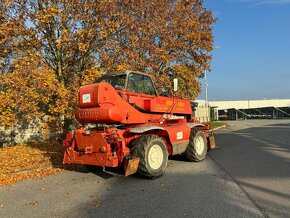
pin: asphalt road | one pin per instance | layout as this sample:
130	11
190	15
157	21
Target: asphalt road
256	154
248	177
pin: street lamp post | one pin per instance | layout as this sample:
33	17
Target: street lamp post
206	100
206	82
206	85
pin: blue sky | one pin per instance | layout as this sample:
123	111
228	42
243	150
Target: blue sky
253	58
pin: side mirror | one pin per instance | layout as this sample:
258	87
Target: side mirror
175	84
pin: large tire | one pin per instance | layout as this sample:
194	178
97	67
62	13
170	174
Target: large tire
197	147
153	155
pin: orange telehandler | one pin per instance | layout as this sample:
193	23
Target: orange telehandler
125	123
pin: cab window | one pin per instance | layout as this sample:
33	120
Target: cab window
140	84
117	81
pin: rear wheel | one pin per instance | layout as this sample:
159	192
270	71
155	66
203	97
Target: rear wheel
197	147
153	155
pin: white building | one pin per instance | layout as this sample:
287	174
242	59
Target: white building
267	108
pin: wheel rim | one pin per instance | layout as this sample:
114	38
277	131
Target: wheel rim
199	145
155	157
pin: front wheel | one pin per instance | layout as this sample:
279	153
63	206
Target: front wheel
153	155
197	147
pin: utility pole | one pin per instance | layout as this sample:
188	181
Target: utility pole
206	89
206	100
206	82
206	85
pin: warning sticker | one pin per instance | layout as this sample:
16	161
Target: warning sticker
86	98
179	135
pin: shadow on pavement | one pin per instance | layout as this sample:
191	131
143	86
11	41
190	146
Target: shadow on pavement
258	159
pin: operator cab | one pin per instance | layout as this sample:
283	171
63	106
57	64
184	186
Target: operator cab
130	81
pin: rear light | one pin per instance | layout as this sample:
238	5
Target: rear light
67	141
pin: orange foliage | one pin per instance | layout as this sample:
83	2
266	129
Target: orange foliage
29	161
50	48
166	38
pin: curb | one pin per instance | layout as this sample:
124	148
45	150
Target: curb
220	127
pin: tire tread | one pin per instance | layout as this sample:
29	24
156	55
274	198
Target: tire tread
138	149
190	152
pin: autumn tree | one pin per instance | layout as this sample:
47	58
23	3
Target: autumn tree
51	47
61	38
168	38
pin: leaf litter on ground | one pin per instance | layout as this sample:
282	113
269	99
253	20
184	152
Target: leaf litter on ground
29	161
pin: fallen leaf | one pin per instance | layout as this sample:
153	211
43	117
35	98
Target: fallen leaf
95	203
98	205
33	203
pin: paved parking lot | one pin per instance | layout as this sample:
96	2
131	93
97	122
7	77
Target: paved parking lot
248	177
256	154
